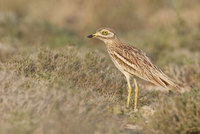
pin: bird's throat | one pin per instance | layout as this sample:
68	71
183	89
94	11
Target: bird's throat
108	42
112	42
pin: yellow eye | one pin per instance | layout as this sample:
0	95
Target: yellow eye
105	32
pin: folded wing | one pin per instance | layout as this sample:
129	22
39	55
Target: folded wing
135	62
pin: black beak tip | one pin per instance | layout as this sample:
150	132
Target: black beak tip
90	36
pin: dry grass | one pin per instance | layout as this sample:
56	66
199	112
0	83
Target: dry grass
53	80
62	92
179	113
51	88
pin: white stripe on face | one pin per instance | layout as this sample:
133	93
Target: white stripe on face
109	35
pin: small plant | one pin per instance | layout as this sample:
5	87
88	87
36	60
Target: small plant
177	114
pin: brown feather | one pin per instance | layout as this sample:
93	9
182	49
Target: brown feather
141	64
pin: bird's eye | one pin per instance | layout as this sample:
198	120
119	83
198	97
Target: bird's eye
105	32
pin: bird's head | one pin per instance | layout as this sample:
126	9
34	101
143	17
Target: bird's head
104	34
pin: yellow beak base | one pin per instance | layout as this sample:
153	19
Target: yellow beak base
92	36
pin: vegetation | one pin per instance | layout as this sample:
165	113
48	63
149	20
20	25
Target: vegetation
54	80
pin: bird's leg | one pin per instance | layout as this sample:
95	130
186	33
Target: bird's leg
129	92
136	94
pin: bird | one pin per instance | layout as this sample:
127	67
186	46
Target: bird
132	61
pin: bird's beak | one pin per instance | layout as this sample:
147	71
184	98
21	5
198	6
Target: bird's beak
92	36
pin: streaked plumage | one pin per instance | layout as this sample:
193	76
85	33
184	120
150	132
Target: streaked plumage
132	61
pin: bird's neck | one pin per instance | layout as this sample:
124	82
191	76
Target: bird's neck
112	42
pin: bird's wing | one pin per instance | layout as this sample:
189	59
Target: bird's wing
137	63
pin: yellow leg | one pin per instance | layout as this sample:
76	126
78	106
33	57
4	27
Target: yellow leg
136	94
129	92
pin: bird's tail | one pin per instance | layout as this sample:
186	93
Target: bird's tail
163	80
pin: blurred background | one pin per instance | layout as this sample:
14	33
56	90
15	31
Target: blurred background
158	26
34	33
